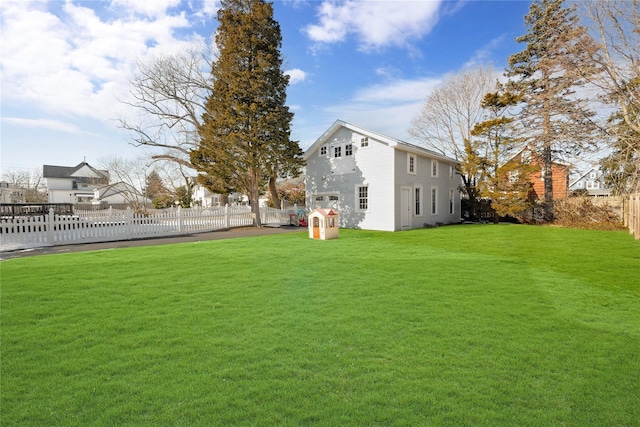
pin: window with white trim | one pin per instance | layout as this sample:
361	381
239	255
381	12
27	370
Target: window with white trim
364	142
363	198
434	168
323	150
411	163
434	200
452	201
452	171
417	192
337	151
348	150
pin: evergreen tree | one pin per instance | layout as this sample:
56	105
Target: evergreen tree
506	182
557	59
245	132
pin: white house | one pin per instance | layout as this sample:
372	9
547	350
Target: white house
380	183
117	194
593	182
9	193
75	184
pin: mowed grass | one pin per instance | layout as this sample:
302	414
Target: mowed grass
461	325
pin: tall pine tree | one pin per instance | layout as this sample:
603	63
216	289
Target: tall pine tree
245	133
557	59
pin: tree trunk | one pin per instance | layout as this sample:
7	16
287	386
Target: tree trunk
254	197
273	192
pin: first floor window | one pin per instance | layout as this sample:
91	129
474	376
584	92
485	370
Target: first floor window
451	201
434	201
418	201
363	198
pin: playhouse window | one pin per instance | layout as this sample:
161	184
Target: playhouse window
337	151
323	151
348	150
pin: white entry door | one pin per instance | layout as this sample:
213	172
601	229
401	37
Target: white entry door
405	207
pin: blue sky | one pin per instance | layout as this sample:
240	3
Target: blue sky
66	64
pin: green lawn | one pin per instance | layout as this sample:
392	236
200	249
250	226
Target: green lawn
461	325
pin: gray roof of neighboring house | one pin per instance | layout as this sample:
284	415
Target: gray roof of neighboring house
50	171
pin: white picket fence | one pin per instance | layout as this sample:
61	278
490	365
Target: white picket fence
110	225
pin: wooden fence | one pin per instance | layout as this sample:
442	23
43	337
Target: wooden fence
110	225
631	214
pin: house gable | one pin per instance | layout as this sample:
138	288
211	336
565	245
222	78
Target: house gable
367	176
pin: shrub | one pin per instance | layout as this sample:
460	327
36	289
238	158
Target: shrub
581	212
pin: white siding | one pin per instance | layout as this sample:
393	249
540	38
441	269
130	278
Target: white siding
369	166
422	178
382	166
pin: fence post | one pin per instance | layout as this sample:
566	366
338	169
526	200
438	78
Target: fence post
179	219
129	221
50	225
227	222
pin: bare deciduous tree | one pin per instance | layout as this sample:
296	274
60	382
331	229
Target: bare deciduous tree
30	181
128	178
447	118
615	25
169	94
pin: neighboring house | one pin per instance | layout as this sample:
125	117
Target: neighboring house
119	193
380	183
559	172
74	184
203	197
9	193
592	182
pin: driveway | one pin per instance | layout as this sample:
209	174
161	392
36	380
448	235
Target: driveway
199	237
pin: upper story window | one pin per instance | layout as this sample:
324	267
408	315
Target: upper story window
411	164
451	171
526	156
323	150
337	151
434	168
348	150
364	142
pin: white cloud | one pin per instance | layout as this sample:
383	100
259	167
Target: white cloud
149	8
48	124
296	75
376	24
482	56
76	62
386	108
397	91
